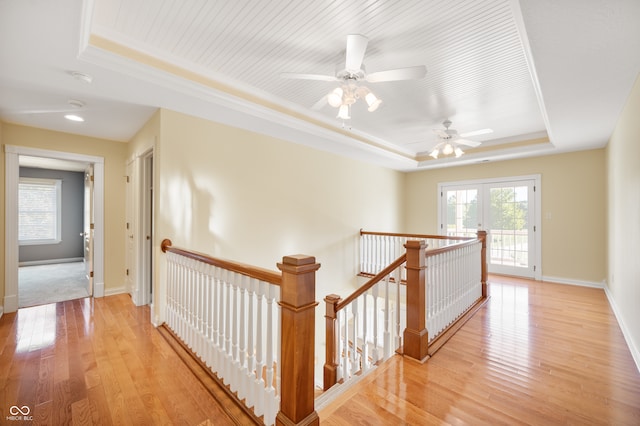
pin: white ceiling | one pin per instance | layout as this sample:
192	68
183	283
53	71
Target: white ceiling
557	72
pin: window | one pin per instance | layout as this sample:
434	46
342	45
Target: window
39	211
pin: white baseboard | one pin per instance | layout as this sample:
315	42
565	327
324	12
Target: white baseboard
51	261
113	291
1	311
155	319
573	282
635	352
10	303
98	289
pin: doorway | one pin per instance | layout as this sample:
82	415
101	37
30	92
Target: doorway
13	154
508	209
53	203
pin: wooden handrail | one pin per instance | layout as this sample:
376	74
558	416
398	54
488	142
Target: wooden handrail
262	274
419	236
373	281
451	247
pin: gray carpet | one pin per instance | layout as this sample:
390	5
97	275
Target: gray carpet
41	284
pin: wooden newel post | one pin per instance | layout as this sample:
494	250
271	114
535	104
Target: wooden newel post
331	353
482	236
298	303
416	337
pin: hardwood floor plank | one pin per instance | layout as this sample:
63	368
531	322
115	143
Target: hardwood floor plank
44	392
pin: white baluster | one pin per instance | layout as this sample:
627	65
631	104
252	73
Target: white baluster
170	286
190	303
200	303
375	292
251	350
227	326
354	336
269	386
259	381
182	330
242	360
387	320
221	321
363	250
234	316
209	314
339	348
365	334
346	350
278	341
370	247
398	304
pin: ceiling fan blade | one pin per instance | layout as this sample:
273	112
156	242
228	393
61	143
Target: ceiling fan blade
297	76
320	104
42	111
409	73
467	142
356	46
476	133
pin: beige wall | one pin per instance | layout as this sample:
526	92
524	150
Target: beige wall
623	160
573	208
114	154
252	198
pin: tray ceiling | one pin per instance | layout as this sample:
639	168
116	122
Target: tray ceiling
497	64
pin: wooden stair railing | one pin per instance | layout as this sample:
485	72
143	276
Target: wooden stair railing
334	305
296	285
416	341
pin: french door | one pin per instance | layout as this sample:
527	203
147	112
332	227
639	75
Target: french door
507	210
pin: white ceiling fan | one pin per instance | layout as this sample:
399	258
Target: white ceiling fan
72	106
353	74
450	139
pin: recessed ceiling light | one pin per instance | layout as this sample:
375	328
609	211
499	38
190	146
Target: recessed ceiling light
82	76
73	117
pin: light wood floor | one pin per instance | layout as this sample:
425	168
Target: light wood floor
537	353
97	361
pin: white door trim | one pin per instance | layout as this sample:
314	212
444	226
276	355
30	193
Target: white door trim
12	174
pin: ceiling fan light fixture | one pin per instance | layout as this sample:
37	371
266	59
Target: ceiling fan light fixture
447	149
434	153
343	112
372	101
335	97
458	152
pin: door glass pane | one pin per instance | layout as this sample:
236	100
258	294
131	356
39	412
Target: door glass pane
462	212
508	226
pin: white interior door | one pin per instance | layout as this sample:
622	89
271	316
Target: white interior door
147	226
507	210
130	257
88	227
